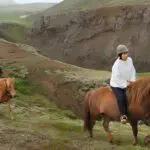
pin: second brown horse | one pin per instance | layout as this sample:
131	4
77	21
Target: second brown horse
102	101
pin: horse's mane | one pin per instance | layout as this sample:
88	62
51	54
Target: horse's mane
139	92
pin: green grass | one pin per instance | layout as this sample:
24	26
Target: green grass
14	18
40	120
39	124
144	74
11	14
24	88
17	32
14	32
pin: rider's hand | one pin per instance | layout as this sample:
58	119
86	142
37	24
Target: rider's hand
129	83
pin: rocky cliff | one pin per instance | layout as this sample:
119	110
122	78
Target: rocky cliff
89	38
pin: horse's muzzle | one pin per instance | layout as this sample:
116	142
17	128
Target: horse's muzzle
11	95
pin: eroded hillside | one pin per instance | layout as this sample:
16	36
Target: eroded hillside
63	83
89	38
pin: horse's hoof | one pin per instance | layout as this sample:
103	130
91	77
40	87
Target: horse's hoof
111	142
134	143
91	135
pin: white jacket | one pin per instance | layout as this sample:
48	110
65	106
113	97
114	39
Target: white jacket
122	71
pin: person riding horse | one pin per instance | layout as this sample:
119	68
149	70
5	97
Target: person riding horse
123	74
103	102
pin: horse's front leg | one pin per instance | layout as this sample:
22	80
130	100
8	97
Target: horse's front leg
106	128
134	125
10	109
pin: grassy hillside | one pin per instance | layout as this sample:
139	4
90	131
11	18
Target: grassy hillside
17	13
39	124
25	8
13	32
13	22
71	5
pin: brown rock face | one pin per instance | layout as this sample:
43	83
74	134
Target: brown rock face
88	39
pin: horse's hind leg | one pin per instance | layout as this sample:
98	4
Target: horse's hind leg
92	122
106	121
134	125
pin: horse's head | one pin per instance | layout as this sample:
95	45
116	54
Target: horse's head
10	86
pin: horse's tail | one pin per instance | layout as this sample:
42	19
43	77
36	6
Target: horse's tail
86	113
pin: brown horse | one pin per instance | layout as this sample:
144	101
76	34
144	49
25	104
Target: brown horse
7	91
102	102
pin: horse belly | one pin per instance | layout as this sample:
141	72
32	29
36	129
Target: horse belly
94	109
111	109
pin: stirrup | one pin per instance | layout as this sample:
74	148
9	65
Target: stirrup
123	119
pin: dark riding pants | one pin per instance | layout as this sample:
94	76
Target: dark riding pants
121	99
